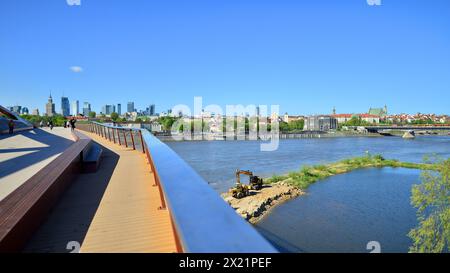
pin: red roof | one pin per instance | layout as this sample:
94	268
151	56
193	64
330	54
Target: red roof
342	115
358	115
368	116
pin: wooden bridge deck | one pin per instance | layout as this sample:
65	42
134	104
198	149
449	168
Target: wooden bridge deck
128	218
115	209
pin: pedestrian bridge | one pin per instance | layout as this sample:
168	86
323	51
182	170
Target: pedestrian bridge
138	196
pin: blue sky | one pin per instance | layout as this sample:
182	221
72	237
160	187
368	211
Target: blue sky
305	55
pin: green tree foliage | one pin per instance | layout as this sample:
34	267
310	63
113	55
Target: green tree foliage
292	126
167	122
92	114
32	118
114	116
432	200
356	121
58	120
296	125
423	122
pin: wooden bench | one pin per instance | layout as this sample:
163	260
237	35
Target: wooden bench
22	211
92	158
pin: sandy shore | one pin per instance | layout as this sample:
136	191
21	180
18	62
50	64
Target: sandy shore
254	207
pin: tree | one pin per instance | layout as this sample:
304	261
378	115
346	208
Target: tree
92	114
432	200
114	116
284	126
356	121
167	122
296	125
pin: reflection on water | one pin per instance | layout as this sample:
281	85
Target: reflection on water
340	214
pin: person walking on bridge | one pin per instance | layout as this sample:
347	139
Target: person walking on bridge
72	123
50	124
11	126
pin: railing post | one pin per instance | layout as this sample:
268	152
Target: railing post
132	139
114	136
125	138
142	141
109	135
118	136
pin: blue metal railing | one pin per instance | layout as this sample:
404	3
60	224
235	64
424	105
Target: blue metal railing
203	221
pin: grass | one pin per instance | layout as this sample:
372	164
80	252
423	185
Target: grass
308	175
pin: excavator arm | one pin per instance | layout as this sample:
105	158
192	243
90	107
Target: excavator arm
238	175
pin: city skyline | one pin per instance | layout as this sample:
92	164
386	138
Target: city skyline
150	109
307	57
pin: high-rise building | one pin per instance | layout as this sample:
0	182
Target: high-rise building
75	108
65	106
108	109
86	108
130	107
17	109
36	112
24	111
50	107
152	110
119	109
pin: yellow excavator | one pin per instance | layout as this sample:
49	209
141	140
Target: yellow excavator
242	190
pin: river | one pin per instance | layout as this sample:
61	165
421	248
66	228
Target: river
339	214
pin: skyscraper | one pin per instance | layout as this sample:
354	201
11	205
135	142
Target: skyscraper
75	108
50	107
65	106
86	108
130	107
119	109
152	110
108	109
17	109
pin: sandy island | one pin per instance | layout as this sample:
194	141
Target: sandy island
278	189
255	206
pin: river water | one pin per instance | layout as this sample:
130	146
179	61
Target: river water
340	214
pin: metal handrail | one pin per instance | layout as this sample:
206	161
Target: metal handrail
203	221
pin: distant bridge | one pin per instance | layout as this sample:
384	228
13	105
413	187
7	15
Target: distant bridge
376	129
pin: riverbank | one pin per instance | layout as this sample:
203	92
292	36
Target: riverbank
281	188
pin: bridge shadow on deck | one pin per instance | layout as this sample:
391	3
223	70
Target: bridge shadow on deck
70	219
52	144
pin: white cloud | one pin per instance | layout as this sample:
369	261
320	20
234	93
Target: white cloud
76	69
